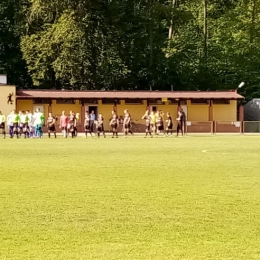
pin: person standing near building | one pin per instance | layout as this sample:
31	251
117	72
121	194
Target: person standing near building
147	119
24	119
114	122
39	118
64	124
15	120
51	125
92	121
153	116
2	124
169	124
184	121
72	124
159	123
180	123
76	124
10	124
87	125
30	123
100	126
126	122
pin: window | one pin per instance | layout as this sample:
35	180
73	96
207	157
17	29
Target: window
65	101
88	101
132	101
155	101
199	101
110	101
221	102
176	102
42	101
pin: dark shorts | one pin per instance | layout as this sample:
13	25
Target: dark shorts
100	128
24	126
87	128
2	125
159	127
64	128
148	127
170	127
51	128
114	127
15	125
71	128
127	126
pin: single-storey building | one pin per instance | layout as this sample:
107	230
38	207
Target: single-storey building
199	106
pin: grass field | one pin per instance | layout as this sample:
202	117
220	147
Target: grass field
134	198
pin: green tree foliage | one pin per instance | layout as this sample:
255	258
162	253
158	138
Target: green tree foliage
132	44
11	61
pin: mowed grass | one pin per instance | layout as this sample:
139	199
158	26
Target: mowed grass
134	198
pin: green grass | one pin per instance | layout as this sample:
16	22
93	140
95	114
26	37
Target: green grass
134	198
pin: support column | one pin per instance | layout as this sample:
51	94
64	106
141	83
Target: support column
211	116
210	110
241	118
241	113
82	117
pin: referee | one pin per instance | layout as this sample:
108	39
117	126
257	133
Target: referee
92	121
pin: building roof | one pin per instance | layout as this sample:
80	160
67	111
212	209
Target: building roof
65	94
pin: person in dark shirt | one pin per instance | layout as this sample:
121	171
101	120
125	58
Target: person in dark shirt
114	122
184	121
87	125
169	124
100	126
148	127
127	123
51	125
180	123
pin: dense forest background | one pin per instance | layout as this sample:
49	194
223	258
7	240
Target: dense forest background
131	44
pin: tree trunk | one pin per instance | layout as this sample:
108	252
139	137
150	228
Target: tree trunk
171	23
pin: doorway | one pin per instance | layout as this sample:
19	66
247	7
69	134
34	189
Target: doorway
40	107
92	108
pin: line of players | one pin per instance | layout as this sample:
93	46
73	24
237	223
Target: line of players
154	123
26	123
30	124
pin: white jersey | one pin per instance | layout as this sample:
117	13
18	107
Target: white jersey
33	120
38	118
10	120
29	119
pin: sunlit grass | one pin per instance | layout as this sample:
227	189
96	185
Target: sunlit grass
134	198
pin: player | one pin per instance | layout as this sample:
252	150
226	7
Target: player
71	124
2	124
10	124
180	123
51	125
39	121
114	122
24	119
159	123
153	116
15	120
64	124
76	121
126	122
100	126
87	125
169	124
29	129
147	119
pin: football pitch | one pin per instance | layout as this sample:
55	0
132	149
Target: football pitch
130	198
